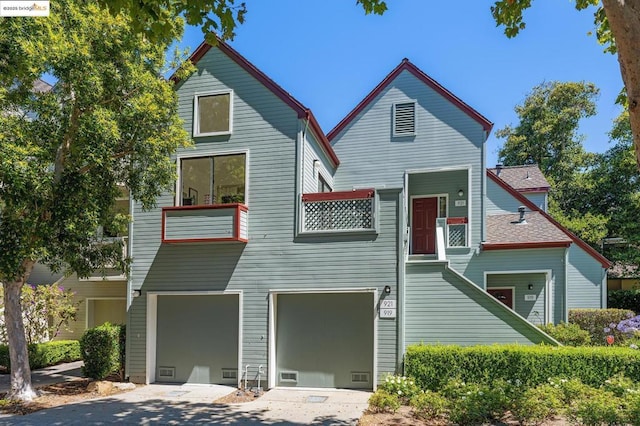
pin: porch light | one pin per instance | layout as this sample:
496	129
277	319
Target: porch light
460	193
136	293
530	286
387	289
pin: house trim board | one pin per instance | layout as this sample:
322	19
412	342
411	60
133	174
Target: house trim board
548	295
271	361
152	322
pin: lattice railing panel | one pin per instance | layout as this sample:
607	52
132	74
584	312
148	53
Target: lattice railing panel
338	215
457	235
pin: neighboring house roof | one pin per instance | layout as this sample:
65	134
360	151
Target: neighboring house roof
531	206
303	112
41	86
527	178
505	231
408	66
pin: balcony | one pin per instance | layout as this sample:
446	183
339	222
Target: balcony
205	223
344	211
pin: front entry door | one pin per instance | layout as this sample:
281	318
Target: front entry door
505	295
423	228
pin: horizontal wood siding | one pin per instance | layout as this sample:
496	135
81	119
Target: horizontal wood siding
312	151
585	279
87	290
442	308
500	201
532	310
273	258
538	199
200	223
445	137
522	260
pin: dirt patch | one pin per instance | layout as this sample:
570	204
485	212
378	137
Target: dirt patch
404	416
238	396
54	395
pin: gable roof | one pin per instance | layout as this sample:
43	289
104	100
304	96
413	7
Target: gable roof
406	65
505	231
531	206
303	112
525	178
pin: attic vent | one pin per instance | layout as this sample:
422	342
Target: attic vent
229	373
289	376
404	119
166	372
359	377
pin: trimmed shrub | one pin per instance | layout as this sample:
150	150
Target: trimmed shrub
601	323
383	402
632	409
567	334
538	404
101	351
428	404
528	366
600	407
404	387
624	299
474	403
45	354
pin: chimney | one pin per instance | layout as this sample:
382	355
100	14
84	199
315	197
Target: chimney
521	211
498	169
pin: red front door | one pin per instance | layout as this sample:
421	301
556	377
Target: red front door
423	227
505	295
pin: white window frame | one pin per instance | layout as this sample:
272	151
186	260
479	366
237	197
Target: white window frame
196	113
210	153
415	118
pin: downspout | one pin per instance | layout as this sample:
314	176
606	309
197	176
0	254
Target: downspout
402	247
604	301
566	284
299	173
483	190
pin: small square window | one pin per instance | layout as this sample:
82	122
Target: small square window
213	114
404	119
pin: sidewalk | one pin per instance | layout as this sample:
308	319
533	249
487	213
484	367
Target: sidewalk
47	376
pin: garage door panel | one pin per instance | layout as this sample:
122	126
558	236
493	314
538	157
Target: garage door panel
197	338
323	338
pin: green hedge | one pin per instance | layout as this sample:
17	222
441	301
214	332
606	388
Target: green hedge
624	299
598	323
102	350
45	354
433	366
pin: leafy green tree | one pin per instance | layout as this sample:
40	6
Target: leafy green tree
110	120
617	28
547	135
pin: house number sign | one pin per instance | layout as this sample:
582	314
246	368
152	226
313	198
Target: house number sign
387	308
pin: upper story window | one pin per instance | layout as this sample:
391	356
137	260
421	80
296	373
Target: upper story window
323	186
404	119
214	179
213	114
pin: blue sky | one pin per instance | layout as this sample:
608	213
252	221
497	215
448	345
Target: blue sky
329	55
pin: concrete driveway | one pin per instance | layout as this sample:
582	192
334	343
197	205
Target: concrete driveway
193	404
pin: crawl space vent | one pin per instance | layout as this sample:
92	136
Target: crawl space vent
229	373
166	372
289	376
359	377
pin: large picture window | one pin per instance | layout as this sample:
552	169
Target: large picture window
213	114
215	179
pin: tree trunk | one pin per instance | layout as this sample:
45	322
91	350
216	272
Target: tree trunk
18	353
624	21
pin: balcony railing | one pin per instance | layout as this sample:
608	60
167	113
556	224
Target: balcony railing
205	223
457	232
339	211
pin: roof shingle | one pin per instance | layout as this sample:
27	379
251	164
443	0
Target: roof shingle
537	230
526	178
